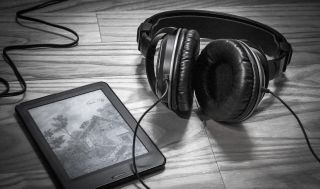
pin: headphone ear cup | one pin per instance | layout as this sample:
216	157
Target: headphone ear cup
228	83
182	88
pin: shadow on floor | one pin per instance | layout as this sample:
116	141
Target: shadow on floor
165	126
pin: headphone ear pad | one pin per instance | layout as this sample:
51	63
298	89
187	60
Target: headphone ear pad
226	81
182	85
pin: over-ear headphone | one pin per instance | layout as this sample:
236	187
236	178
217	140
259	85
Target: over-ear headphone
229	74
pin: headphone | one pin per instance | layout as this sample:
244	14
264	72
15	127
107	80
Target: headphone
227	77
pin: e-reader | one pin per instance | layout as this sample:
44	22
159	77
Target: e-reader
85	135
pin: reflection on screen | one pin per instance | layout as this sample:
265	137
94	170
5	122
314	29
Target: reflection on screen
86	133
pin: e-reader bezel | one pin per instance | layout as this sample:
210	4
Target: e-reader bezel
105	177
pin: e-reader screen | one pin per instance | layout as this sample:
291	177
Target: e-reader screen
86	133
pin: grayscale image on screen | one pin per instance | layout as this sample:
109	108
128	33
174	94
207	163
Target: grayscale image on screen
86	133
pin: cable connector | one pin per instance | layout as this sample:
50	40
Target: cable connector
265	90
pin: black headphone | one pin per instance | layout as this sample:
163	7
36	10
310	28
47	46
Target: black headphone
229	74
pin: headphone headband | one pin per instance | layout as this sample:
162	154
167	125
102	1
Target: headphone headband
214	25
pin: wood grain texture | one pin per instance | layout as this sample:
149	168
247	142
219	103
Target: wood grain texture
85	24
100	5
266	151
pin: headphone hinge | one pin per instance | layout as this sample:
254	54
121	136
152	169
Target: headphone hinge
288	57
144	27
287	49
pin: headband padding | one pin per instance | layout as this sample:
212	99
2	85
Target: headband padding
217	25
225	81
182	82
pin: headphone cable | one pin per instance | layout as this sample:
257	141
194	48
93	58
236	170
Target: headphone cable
20	15
298	120
135	170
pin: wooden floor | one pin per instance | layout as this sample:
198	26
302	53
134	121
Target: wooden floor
266	151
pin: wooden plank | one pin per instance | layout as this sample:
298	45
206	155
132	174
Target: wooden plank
85	25
101	5
266	154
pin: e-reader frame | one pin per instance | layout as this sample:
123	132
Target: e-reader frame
105	177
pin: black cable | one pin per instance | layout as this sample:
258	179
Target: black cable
135	170
19	15
6	85
297	118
